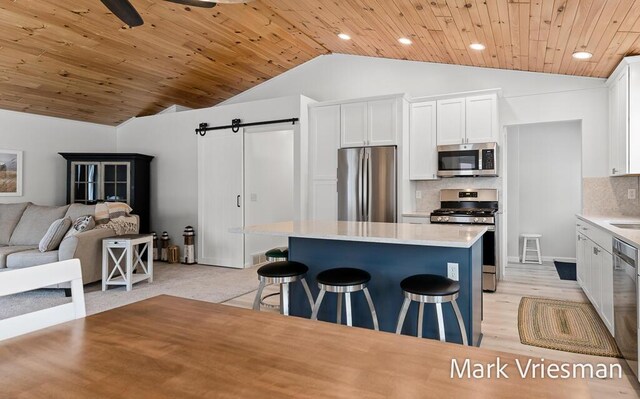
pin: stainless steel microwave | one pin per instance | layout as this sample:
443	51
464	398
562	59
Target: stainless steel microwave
468	160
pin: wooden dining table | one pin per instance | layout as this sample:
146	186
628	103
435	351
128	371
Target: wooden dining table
170	347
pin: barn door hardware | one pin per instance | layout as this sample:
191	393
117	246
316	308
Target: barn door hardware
236	124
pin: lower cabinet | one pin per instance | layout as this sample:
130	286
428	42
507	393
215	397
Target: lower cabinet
595	274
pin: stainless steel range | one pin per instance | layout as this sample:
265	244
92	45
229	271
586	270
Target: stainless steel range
474	206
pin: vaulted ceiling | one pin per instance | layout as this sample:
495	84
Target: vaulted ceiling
73	59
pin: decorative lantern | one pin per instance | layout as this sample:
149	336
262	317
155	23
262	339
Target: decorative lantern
189	246
173	254
164	256
155	246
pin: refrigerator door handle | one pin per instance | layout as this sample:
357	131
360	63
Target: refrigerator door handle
369	185
360	182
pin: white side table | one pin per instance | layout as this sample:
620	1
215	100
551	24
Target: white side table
126	252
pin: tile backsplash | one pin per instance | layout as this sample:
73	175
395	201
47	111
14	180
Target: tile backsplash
607	196
430	190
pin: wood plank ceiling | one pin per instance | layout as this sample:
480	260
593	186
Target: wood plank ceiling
73	59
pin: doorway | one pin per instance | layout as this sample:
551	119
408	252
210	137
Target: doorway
543	191
268	188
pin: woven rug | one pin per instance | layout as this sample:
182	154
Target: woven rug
564	326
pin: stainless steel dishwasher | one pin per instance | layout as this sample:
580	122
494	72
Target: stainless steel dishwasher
625	301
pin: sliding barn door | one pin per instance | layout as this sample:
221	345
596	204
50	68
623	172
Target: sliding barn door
220	198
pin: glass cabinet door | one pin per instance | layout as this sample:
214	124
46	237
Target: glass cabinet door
85	182
116	181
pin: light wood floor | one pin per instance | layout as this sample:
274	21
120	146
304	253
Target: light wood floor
500	326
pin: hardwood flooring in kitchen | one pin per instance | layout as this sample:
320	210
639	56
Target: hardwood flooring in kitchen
500	324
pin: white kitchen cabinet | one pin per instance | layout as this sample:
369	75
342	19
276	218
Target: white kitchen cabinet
594	263
324	203
481	119
324	141
423	154
354	131
220	198
468	120
624	122
451	121
382	122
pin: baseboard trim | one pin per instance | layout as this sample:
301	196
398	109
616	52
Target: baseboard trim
516	259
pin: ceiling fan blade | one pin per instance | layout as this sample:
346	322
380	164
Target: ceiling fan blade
125	11
195	3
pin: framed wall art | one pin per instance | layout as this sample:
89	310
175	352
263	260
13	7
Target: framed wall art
10	173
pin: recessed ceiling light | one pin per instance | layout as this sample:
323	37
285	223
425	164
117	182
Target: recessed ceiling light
477	46
582	55
344	36
405	41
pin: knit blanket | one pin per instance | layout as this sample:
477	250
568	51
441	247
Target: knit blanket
121	225
107	211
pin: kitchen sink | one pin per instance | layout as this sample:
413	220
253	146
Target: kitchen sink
632	226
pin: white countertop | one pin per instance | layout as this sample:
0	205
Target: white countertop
628	235
417	214
435	235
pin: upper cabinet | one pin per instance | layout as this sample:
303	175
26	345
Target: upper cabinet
423	155
354	123
624	125
451	121
369	123
471	119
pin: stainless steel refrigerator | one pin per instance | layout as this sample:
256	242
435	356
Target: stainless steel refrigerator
367	184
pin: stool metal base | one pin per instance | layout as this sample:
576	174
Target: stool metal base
345	290
438	301
284	291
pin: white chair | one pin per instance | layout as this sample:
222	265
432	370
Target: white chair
535	238
31	278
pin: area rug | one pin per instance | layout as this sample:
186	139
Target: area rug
565	326
205	283
566	270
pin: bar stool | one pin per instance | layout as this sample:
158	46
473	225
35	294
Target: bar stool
344	280
431	288
525	247
283	273
274	255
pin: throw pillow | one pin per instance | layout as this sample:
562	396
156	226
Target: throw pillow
83	223
55	234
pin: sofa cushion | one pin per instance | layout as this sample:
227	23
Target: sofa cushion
11	249
10	215
32	257
77	210
35	222
54	234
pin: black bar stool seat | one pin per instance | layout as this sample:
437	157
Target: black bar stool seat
283	273
343	276
430	284
435	289
343	281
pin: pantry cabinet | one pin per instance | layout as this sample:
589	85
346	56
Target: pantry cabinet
423	154
324	140
594	269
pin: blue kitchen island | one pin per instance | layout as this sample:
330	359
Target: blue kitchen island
389	252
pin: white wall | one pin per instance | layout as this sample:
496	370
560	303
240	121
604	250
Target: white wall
544	186
171	138
41	138
269	185
527	97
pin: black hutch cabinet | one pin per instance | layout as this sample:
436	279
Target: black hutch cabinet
114	177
